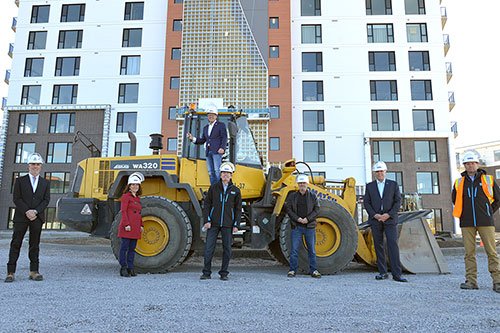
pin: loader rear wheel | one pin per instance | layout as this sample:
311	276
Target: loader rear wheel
336	239
166	239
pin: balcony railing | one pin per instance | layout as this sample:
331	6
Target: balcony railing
4	102
449	72
454	128
446	42
451	99
11	49
14	23
7	76
444	17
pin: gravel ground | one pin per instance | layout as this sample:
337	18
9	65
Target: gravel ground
83	292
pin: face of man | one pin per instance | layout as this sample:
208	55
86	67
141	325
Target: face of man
380	175
302	187
471	168
34	168
226	177
211	117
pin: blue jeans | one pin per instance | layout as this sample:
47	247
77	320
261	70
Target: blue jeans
213	165
127	251
310	236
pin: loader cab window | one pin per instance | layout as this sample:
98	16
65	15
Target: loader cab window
198	122
245	150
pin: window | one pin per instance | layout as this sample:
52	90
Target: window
416	33
128	93
30	95
37	40
23	150
130	65
423	120
67	66
382	61
313	120
414	7
12	211
311	34
427	183
497	173
62	123
312	90
28	123
40	14
73	13
16	175
178	1
319	174
380	33
421	90
378	7
274	144
132	37
274	23
383	90
312	61
274	81
496	155
65	94
176	53
70	39
177	25
126	121
435	219
425	151
175	82
310	8
172	144
385	120
419	60
387	151
59	182
122	149
314	151
274	111
397	176
50	220
33	67
134	10
274	51
172	112
59	152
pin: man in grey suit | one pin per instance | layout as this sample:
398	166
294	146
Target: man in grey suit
382	201
31	197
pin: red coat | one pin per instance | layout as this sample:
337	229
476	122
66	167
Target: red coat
131	215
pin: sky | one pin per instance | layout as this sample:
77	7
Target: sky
473	54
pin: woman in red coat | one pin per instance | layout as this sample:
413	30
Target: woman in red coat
131	225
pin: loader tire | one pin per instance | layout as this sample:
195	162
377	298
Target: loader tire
166	240
336	239
274	250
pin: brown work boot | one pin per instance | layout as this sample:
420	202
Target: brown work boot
9	277
496	287
468	285
35	276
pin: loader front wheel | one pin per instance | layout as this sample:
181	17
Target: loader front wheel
336	239
166	239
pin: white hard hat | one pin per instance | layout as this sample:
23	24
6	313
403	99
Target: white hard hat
212	109
302	178
469	157
35	158
379	166
135	178
227	167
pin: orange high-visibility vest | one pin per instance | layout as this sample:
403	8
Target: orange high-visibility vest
486	184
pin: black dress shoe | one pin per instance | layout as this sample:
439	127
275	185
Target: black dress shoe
124	272
224	278
205	277
382	276
131	272
399	279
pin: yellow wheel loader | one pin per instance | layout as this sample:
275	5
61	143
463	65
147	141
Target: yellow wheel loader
172	199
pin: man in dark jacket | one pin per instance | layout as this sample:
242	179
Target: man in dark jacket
215	137
476	197
382	201
31	197
222	212
302	208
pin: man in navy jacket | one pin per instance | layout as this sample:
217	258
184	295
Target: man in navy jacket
382	201
215	138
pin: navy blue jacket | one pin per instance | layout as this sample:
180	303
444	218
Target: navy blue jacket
389	203
217	138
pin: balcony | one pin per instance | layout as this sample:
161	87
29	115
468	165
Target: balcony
454	128
446	42
7	76
449	72
17	2
4	102
11	49
444	17
14	24
451	99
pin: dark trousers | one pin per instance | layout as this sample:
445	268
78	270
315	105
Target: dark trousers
212	233
391	234
127	252
20	229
